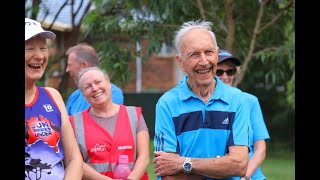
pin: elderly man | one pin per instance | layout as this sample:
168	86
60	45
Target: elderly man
201	128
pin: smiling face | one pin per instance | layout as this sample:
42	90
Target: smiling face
225	66
95	87
36	58
199	57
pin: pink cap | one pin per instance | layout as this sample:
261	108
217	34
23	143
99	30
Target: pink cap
123	159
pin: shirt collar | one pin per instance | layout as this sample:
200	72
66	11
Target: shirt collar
185	92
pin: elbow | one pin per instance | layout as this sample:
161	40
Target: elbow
243	170
238	167
243	165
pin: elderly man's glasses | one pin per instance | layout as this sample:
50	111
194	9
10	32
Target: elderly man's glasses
230	72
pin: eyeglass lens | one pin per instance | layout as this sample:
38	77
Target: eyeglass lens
230	72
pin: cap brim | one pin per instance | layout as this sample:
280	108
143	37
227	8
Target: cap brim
235	60
45	34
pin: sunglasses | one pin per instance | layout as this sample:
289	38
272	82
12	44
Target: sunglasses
230	72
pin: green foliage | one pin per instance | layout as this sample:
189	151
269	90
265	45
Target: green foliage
114	60
271	72
279	117
116	26
290	42
154	20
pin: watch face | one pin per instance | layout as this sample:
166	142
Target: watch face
187	166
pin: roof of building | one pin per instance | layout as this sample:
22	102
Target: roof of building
49	9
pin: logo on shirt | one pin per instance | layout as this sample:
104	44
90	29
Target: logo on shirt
99	148
226	121
124	147
48	107
42	129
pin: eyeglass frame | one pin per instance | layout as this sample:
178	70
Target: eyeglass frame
230	72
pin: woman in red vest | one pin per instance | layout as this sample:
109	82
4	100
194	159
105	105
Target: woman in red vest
106	130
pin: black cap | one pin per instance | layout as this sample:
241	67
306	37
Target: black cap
226	55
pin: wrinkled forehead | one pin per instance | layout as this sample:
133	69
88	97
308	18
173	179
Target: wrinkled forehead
197	33
197	40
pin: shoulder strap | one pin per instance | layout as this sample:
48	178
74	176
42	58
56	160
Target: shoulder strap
134	115
79	131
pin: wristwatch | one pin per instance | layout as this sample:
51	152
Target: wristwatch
246	177
187	165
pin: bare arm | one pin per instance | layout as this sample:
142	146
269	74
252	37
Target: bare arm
72	156
171	163
233	164
257	157
143	155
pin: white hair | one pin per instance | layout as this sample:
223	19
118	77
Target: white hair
187	26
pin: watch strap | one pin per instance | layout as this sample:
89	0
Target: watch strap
246	177
187	161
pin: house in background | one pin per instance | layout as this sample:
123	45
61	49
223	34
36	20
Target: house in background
157	74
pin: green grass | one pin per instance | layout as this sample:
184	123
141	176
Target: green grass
150	171
278	165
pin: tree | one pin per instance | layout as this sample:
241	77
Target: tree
261	33
116	26
254	30
61	17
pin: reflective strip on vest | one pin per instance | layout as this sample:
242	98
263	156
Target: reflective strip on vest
78	123
132	113
79	129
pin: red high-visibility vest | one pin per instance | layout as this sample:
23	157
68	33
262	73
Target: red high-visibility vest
99	149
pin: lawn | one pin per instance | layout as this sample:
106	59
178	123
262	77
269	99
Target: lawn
280	166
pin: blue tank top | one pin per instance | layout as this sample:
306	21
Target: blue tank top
43	148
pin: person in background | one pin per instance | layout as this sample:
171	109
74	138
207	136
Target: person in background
228	66
81	56
51	150
201	127
106	130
